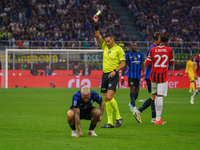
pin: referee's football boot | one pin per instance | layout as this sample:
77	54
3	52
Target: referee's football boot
137	117
118	123
108	126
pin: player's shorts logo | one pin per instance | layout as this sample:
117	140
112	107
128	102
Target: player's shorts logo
131	83
110	85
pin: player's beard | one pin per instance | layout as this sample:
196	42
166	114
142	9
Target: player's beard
133	51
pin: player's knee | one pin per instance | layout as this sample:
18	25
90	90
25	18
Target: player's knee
70	115
109	97
96	112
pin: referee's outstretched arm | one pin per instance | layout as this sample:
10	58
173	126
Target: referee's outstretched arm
97	32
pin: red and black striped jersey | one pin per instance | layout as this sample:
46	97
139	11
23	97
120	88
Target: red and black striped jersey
197	61
160	57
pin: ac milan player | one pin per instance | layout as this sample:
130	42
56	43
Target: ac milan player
196	69
160	57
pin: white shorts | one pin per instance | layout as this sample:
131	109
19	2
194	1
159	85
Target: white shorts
198	82
159	88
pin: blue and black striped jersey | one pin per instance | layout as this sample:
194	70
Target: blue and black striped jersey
134	63
148	69
77	101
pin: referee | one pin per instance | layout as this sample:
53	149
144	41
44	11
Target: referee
113	61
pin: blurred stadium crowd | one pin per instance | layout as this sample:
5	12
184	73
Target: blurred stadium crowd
54	21
180	19
63	23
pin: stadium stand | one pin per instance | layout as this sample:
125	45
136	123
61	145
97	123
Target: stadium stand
68	23
177	19
50	22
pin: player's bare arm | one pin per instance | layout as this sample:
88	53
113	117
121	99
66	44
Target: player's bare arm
194	69
77	120
101	107
121	65
122	77
143	68
97	32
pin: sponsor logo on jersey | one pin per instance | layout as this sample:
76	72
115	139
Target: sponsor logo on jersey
75	102
109	52
136	62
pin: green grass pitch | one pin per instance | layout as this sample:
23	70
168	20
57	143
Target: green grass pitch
35	119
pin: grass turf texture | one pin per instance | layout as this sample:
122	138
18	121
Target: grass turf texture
36	119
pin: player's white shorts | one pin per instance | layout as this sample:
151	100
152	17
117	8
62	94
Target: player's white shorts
198	82
159	88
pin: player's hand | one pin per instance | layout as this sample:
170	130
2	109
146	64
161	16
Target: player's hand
100	118
195	76
79	134
122	81
112	74
186	75
95	18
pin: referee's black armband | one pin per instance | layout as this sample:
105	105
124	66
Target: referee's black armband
96	26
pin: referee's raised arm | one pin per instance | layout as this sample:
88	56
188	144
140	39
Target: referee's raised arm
97	32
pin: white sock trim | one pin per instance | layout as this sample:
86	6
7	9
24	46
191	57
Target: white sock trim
159	107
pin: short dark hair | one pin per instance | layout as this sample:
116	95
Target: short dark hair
108	35
156	35
164	39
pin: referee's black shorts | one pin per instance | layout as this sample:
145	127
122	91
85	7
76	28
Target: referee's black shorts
109	83
148	85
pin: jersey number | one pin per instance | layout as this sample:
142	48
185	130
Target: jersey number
158	60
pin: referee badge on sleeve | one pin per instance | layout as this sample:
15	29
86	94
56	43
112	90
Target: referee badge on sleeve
124	57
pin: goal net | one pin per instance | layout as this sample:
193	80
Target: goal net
63	68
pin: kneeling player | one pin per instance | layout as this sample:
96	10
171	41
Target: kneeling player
82	108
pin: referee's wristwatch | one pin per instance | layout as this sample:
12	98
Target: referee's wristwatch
115	70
